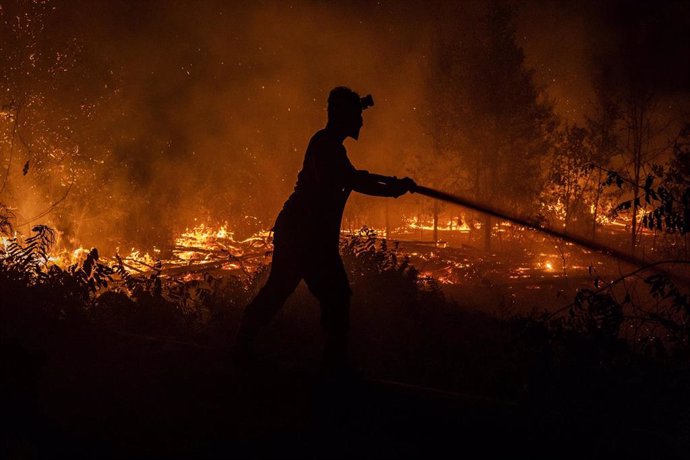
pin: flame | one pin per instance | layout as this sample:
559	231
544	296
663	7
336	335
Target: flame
137	259
208	247
6	242
199	244
415	223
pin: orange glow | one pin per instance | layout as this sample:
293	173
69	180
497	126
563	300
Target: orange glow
449	226
208	247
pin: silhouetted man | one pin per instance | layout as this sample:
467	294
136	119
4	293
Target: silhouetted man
307	230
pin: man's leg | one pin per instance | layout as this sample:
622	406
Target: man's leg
284	277
328	281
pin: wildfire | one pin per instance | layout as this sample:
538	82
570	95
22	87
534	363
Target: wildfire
195	249
202	246
6	241
137	261
207	248
64	257
450	225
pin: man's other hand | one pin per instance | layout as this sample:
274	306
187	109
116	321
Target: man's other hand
402	186
408	184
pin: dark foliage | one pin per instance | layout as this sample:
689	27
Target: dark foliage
665	196
370	260
92	326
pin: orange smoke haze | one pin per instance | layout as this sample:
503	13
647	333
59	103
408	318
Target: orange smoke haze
164	115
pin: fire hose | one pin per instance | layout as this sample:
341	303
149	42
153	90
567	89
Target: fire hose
526	222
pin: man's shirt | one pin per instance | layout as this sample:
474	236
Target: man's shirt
312	214
323	187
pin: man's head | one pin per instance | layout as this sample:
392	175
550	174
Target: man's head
345	110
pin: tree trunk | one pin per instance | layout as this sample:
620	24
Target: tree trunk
477	194
486	226
639	133
596	208
637	166
436	211
637	160
388	223
419	222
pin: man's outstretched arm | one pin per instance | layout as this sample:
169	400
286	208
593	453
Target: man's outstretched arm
377	185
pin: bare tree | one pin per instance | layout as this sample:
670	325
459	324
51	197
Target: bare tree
499	118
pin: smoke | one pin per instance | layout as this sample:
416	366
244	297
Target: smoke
222	102
573	46
201	111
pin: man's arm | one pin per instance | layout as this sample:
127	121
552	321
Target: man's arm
332	166
377	185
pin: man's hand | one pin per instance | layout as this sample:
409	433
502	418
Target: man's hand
409	184
402	186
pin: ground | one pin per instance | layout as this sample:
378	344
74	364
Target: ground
112	376
93	393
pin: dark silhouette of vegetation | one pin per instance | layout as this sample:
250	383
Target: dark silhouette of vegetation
663	199
572	374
